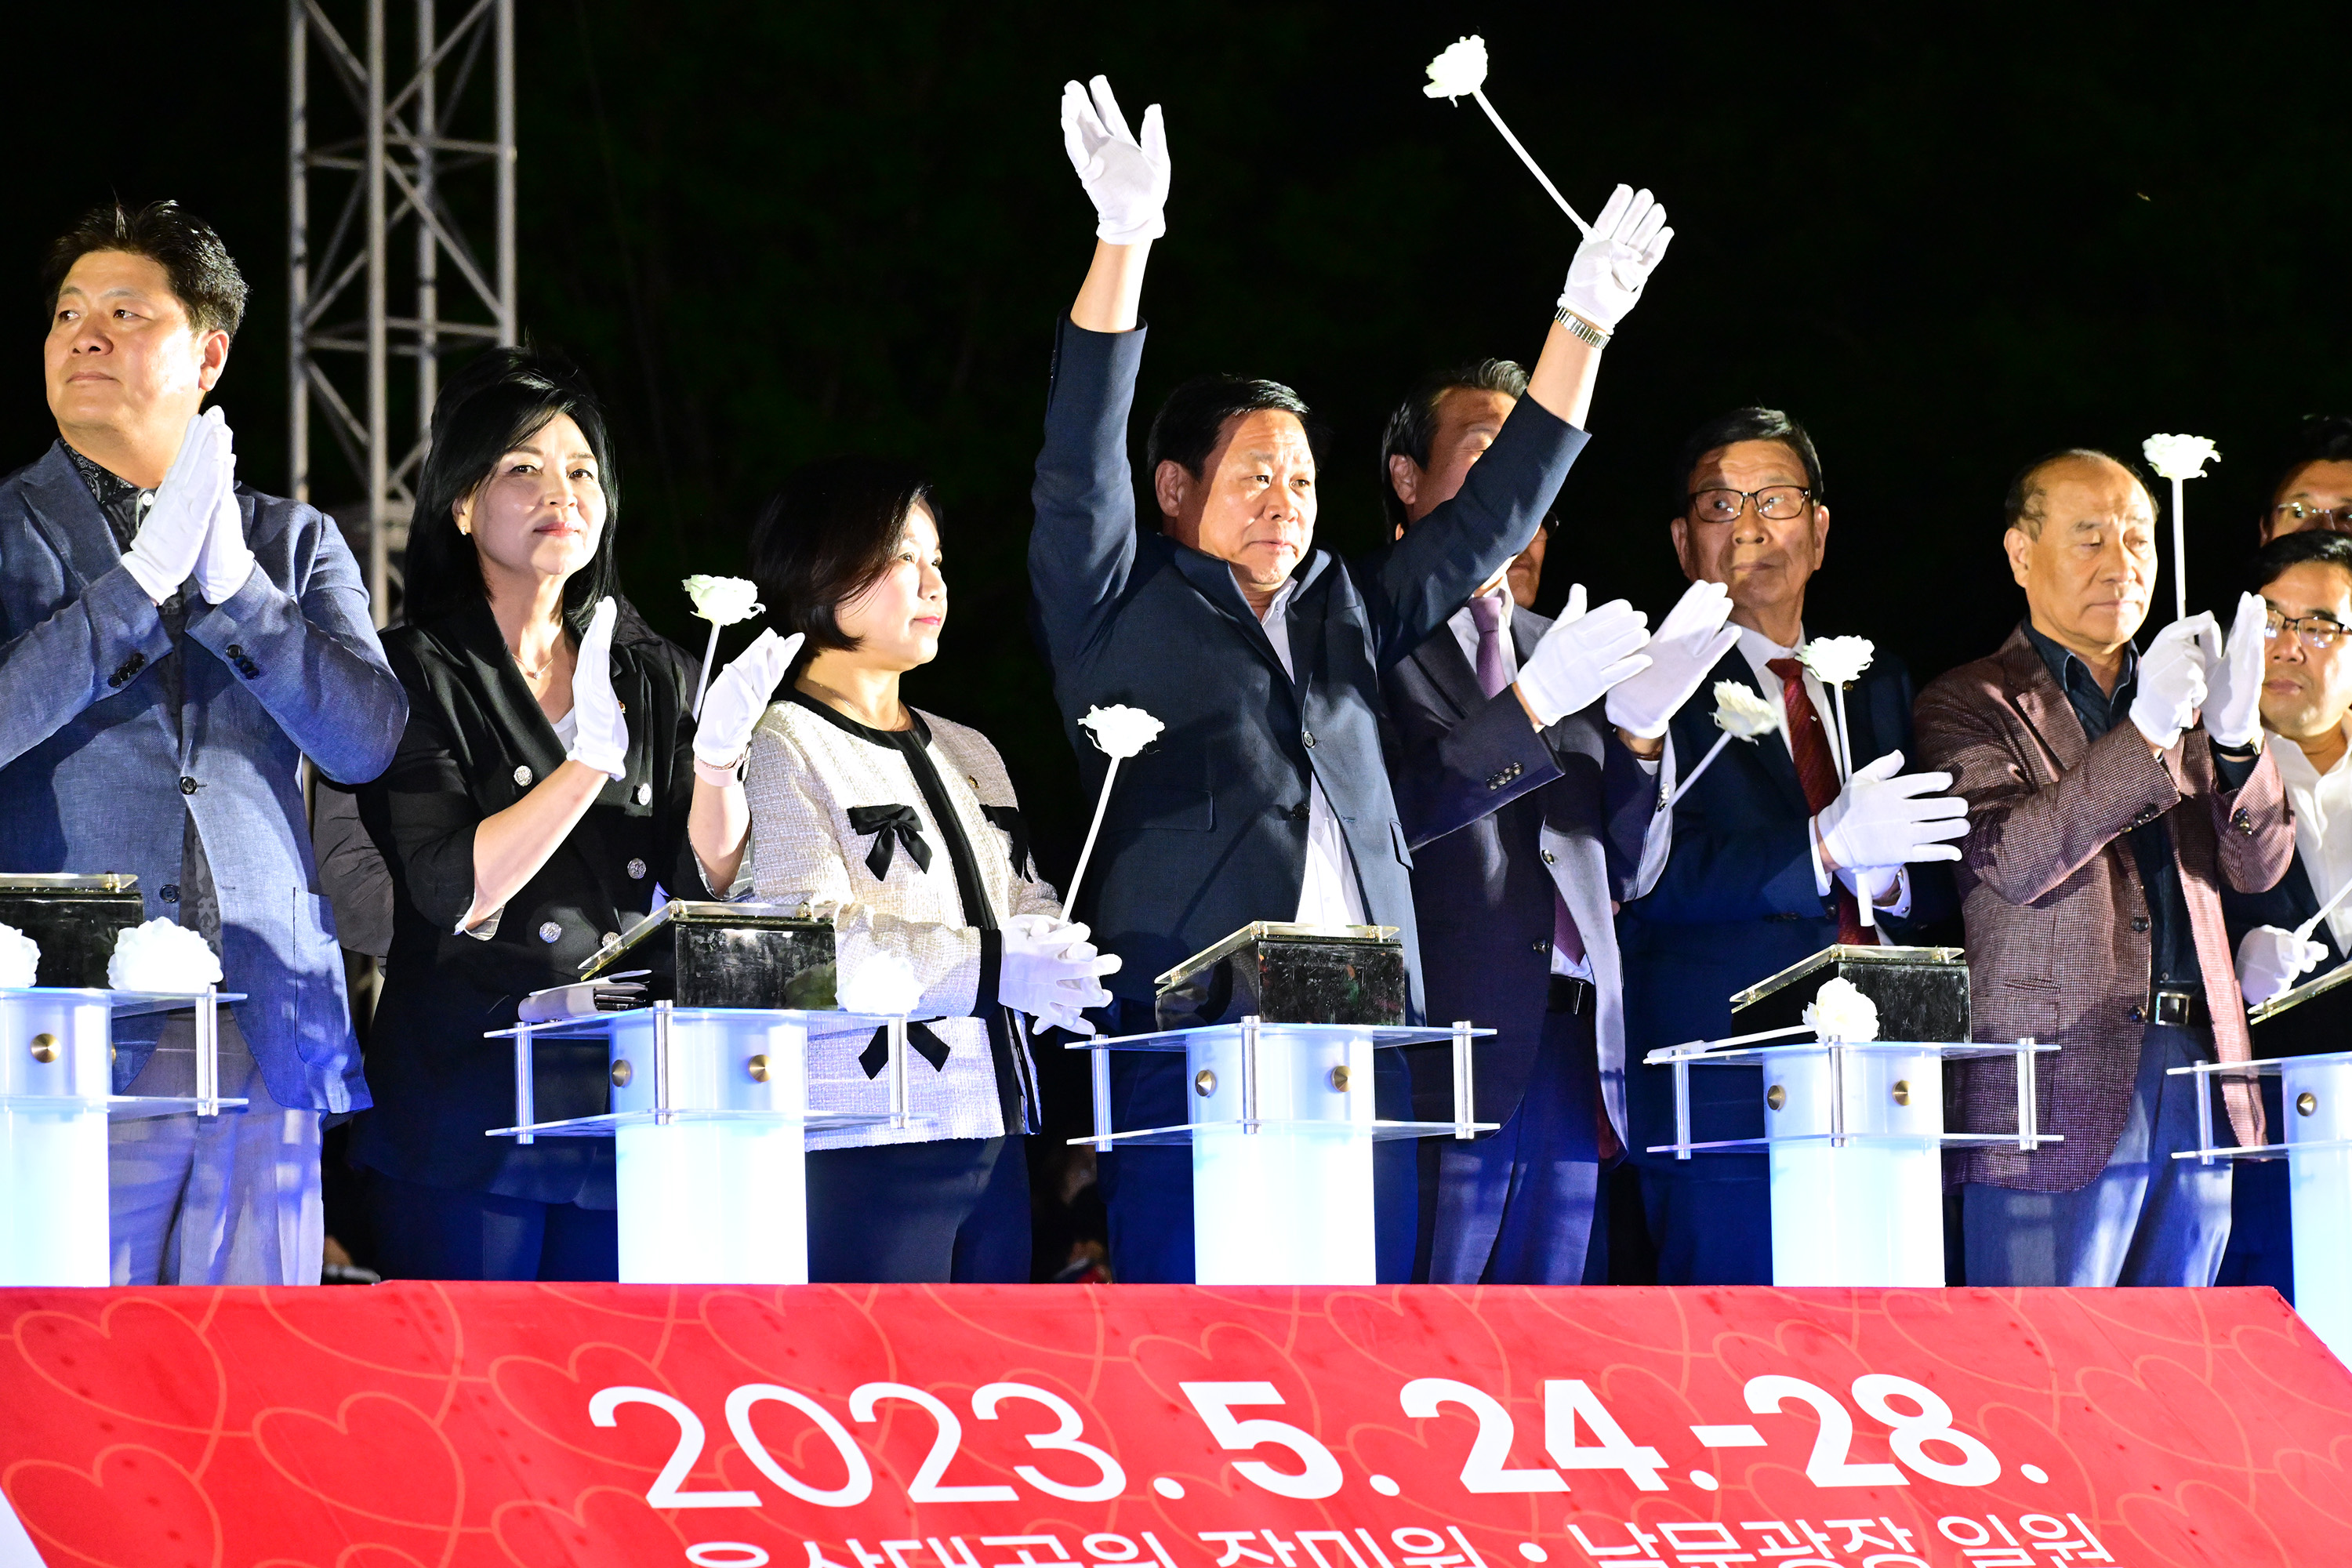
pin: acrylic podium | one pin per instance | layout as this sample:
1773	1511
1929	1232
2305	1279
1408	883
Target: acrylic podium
1854	1130
57	1080
1278	1026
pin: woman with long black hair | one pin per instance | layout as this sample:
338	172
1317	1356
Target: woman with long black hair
550	784
903	828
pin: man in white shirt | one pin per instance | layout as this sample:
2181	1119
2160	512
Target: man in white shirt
2306	582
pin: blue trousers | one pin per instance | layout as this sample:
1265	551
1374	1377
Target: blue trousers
2261	1218
1517	1207
447	1233
1710	1215
2146	1219
1148	1192
954	1210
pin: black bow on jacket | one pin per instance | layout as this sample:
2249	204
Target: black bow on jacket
891	826
925	1044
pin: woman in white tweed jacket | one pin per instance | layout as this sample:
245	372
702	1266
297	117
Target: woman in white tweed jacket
903	828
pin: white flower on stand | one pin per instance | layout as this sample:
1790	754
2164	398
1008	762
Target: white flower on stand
20	959
880	984
1839	1011
1837	661
1740	711
1462	68
1121	732
723	601
161	955
2180	456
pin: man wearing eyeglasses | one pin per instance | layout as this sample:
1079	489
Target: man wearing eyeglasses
2314	490
2306	582
1772	847
2111	796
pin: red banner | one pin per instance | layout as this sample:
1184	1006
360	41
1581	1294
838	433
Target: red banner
1170	1428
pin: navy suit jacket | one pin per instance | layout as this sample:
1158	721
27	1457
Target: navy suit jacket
1478	785
1737	901
1207	831
99	773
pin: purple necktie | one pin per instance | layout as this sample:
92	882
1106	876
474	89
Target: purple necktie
1486	610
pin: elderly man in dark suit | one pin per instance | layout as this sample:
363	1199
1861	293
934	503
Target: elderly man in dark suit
2110	797
172	645
1771	850
1524	837
1267	797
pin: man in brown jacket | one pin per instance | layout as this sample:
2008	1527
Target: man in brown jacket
2108	794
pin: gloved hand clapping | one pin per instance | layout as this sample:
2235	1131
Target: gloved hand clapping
2269	960
2173	681
1126	179
173	535
1885	818
1051	972
2233	675
732	708
224	561
601	735
1611	268
1682	652
1582	656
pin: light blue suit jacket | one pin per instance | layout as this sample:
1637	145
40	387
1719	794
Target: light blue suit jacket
97	774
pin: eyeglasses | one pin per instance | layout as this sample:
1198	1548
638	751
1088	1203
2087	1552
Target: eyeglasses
1778	503
2318	633
2292	515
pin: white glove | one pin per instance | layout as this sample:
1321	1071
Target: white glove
1050	971
224	561
1125	180
2233	679
1610	270
599	737
732	708
165	551
1683	652
1885	817
1582	656
2173	681
2269	960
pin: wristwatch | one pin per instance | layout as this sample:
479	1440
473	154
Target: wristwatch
1578	327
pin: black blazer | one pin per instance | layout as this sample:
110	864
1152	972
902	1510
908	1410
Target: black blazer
477	742
1737	901
1207	831
1477	784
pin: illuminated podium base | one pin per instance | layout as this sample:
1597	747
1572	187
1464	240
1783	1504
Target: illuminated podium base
2317	1144
1282	1127
1854	1136
709	1121
57	1096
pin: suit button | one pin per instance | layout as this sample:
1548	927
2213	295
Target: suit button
187	787
645	795
236	650
1307	736
637	870
611	937
2135	1015
1301	811
522	774
169	892
2139	922
1550	858
551	932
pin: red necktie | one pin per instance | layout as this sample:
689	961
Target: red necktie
1486	611
1817	774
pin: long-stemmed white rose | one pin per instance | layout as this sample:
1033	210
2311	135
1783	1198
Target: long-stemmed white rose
1837	663
2179	458
1742	715
1462	68
1839	1011
721	601
1119	732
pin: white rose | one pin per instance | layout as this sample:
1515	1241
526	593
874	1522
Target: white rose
880	984
1837	661
2180	456
1122	732
1462	68
723	601
1841	1012
1740	711
161	955
20	959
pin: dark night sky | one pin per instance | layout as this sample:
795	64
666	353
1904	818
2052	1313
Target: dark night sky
1946	238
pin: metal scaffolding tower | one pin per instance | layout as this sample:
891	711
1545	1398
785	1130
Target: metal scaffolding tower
390	161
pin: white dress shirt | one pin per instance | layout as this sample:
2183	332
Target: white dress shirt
2323	827
1328	895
